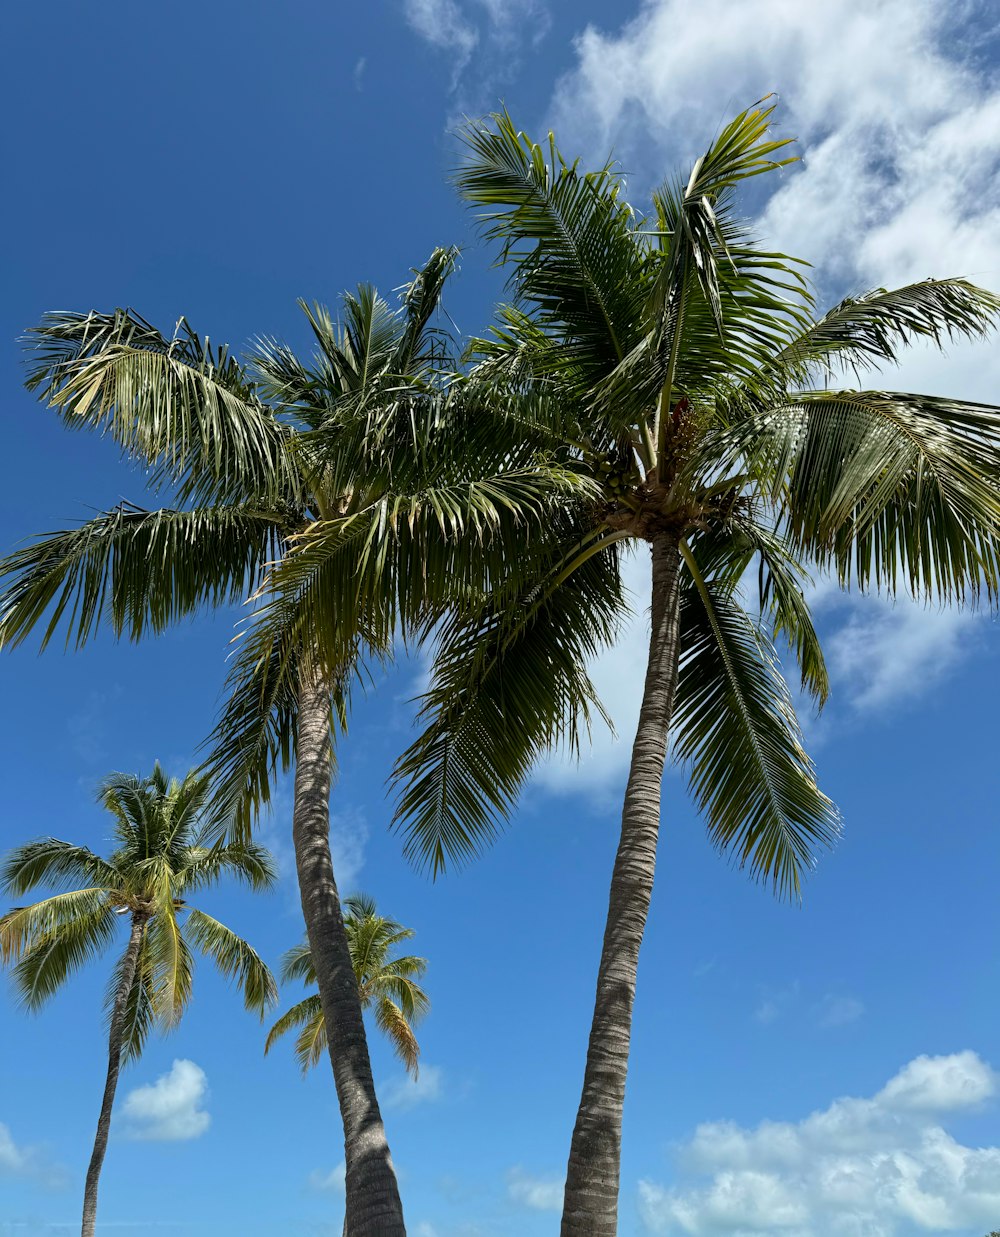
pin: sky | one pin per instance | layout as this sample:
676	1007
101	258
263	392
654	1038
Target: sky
829	1069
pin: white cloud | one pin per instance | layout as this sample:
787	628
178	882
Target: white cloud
881	653
443	24
489	31
406	1092
17	1160
334	1181
538	1193
170	1108
860	1168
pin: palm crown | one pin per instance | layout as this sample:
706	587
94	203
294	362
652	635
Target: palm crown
673	362
387	985
161	860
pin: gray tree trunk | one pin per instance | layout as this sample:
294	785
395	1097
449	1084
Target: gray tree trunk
373	1207
129	965
590	1207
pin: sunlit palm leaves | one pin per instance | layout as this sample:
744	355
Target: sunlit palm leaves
387	985
159	861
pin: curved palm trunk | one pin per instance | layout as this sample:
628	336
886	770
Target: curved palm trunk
129	965
591	1201
373	1205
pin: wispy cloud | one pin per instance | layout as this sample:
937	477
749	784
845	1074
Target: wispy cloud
32	1162
405	1092
538	1193
168	1109
874	1166
333	1181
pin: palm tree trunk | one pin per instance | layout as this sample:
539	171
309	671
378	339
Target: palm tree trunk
590	1206
373	1205
129	964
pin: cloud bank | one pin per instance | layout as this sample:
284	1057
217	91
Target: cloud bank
877	1167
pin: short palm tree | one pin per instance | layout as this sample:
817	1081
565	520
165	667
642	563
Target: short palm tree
387	984
162	858
364	444
680	368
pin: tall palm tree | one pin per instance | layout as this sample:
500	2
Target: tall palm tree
364	443
387	984
162	857
680	368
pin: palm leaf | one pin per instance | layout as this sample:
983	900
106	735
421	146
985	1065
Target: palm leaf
234	958
734	723
138	570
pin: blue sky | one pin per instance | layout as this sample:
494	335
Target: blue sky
795	1072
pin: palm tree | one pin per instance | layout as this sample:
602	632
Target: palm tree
162	858
361	453
387	985
680	368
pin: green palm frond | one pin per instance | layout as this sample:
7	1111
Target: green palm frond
187	408
520	657
869	331
171	964
234	958
52	939
888	489
137	570
50	861
386	985
570	236
735	724
311	1042
297	963
249	863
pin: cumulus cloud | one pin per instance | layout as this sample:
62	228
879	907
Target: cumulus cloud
406	1092
538	1193
861	1168
169	1109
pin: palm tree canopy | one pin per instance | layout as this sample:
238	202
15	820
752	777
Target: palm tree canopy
387	984
161	859
680	367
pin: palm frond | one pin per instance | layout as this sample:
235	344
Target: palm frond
52	939
137	570
188	408
392	1022
172	965
890	490
235	959
311	1042
869	331
569	234
509	683
53	862
735	724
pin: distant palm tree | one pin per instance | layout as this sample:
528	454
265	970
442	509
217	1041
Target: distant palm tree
387	986
161	858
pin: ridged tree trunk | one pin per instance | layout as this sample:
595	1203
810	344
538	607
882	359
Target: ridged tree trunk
129	964
590	1207
373	1207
